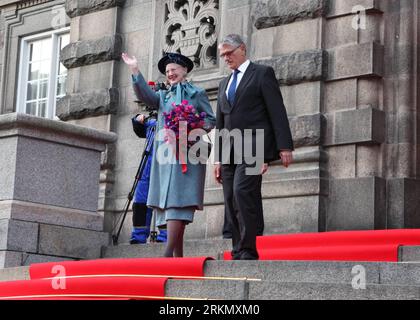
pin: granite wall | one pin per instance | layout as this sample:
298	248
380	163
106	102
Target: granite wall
348	73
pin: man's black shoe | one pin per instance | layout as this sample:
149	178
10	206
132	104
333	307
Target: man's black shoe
236	255
248	256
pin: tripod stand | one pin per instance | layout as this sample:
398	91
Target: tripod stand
145	155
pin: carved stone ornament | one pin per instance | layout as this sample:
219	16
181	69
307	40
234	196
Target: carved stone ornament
29	3
191	28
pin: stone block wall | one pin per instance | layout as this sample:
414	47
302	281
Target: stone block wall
370	109
93	94
288	35
49	181
334	60
348	73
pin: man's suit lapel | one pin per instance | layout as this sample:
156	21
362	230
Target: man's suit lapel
225	101
244	82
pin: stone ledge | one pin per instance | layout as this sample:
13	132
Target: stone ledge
88	104
403	203
192	248
83	53
277	189
329	291
269	14
356	61
386	273
215	289
9	259
35	212
28	259
76	8
304	66
20	124
370	127
409	254
71	242
292	271
14	274
307	130
18	235
339	8
367	213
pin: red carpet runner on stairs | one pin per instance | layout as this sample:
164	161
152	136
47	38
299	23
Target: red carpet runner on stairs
145	278
141	278
381	245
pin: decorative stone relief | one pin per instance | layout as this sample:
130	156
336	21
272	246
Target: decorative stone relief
30	3
191	28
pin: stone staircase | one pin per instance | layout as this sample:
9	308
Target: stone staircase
277	280
272	280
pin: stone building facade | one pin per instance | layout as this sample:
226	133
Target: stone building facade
348	71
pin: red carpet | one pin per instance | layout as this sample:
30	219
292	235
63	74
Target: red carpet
145	266
145	278
142	278
119	288
381	245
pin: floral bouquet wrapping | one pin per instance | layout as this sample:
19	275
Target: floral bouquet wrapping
181	120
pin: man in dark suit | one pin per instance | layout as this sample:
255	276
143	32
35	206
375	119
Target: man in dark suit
249	98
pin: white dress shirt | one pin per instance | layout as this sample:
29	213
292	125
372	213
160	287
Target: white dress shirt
242	68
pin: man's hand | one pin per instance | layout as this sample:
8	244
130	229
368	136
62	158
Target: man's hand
286	157
140	118
218	173
264	168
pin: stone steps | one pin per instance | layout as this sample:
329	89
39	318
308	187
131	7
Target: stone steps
381	273
409	254
276	280
13	274
322	291
192	248
300	280
291	271
284	280
211	248
273	290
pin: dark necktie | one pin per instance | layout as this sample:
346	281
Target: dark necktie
232	88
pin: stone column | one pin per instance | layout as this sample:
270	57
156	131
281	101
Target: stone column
370	102
348	75
401	166
49	180
356	121
93	94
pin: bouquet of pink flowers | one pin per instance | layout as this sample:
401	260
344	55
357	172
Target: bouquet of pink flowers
189	117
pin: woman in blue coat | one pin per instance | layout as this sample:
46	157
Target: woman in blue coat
174	193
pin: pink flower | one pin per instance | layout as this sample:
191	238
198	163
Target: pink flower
183	112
